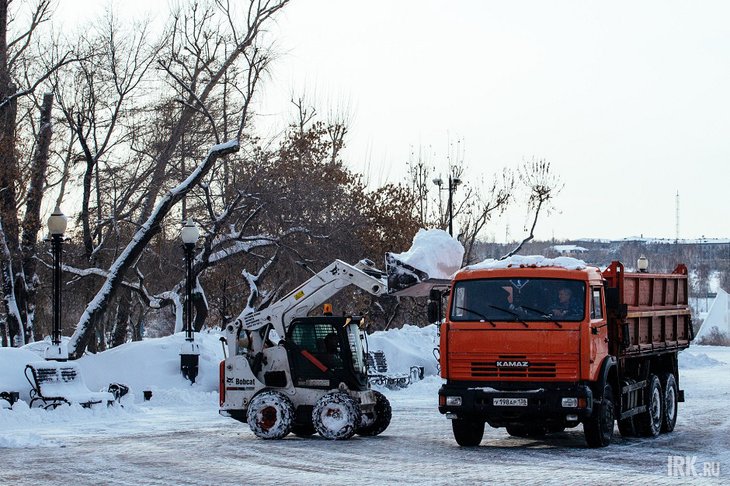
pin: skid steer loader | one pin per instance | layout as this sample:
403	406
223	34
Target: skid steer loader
286	371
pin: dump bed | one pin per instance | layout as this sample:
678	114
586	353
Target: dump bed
648	313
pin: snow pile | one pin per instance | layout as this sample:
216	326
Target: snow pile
530	261
434	252
406	347
152	364
12	368
691	361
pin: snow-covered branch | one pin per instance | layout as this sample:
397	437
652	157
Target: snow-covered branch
96	308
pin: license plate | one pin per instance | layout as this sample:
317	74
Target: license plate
509	402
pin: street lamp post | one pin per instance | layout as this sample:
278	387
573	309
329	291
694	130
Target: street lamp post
190	351
56	227
453	183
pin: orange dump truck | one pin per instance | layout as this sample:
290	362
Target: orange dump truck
542	345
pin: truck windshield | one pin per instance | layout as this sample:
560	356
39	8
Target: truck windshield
517	300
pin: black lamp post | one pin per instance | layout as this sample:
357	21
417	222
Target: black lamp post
56	227
190	351
453	183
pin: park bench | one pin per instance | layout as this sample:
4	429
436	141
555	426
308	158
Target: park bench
55	383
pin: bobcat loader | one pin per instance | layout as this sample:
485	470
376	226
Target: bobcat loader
286	371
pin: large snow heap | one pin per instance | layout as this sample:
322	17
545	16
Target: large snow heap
434	252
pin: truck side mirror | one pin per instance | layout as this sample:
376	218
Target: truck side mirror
434	306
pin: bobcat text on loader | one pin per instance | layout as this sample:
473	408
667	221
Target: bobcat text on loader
286	371
540	349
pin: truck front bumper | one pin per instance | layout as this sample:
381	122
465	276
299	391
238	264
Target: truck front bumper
538	403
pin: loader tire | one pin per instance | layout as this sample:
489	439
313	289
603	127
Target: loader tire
598	429
270	415
649	422
670	393
468	433
374	425
336	416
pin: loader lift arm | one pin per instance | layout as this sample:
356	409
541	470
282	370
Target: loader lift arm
300	301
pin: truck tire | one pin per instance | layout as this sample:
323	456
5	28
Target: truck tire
336	416
375	423
650	422
670	393
598	429
468	433
270	415
526	431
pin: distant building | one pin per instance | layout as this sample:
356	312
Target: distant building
566	250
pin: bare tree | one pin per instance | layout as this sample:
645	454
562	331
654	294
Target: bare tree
543	185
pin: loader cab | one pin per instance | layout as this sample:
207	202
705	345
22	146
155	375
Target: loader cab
325	351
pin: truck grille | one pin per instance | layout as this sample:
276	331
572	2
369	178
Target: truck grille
560	369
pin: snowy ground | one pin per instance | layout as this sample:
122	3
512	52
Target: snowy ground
178	437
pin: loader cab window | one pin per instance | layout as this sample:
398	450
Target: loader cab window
515	300
596	309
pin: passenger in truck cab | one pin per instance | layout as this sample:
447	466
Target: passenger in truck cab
565	307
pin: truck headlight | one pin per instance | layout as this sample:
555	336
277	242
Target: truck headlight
571	402
453	401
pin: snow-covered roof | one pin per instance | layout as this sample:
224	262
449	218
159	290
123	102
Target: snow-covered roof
568	249
530	261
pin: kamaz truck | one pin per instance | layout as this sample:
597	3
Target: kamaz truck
538	346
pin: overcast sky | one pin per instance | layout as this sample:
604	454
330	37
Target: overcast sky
630	101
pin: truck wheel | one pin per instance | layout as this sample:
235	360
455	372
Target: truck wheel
374	423
670	394
336	416
598	429
650	421
270	415
468	433
517	430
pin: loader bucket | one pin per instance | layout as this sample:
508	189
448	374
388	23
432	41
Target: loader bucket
405	280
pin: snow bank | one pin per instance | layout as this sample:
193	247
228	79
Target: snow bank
12	367
152	364
434	252
406	347
691	361
530	261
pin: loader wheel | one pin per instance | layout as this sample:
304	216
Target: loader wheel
270	415
468	433
336	416
650	422
670	394
598	429
374	423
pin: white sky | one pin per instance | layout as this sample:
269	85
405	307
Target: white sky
628	100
